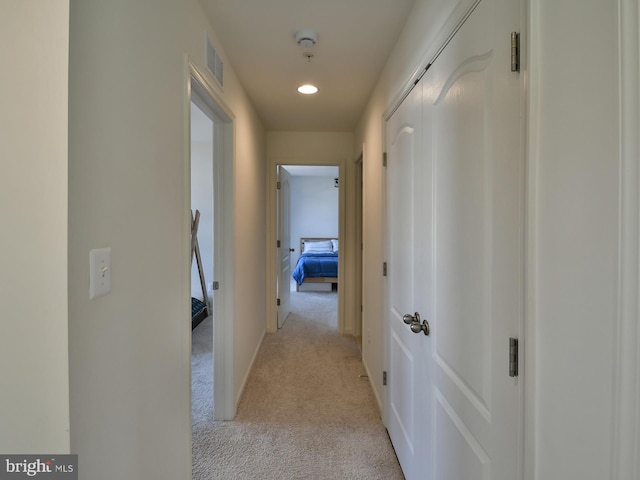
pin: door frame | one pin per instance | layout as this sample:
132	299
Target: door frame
200	88
624	454
344	327
626	417
358	189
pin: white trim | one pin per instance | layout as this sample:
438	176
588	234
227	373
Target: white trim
245	380
525	328
186	228
223	312
358	203
532	119
625	445
345	324
386	329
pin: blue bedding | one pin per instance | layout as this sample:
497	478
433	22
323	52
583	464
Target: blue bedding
313	265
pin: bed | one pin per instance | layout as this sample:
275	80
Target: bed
318	261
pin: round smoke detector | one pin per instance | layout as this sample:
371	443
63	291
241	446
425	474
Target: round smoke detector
306	38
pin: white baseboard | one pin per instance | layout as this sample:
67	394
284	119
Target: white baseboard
245	380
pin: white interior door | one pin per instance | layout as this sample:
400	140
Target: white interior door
472	161
284	252
409	239
473	116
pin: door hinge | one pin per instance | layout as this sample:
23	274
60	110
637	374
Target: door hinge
513	357
384	378
384	159
216	285
278	185
384	269
277	243
277	302
515	52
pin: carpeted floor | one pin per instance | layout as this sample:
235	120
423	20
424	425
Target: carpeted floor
306	412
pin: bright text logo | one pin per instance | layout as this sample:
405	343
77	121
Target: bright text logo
57	467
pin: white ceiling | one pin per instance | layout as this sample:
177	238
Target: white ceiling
355	39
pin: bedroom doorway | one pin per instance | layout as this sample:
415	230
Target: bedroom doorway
307	218
202	264
210	137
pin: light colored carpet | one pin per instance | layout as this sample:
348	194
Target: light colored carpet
306	412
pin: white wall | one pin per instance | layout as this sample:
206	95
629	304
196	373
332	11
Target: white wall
576	173
310	148
202	200
250	231
314	210
34	375
129	351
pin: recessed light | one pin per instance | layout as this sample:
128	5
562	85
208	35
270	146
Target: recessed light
308	89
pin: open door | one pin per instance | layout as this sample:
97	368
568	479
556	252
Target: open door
283	291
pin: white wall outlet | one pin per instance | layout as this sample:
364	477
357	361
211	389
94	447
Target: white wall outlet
99	272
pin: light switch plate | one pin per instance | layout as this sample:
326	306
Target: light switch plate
99	272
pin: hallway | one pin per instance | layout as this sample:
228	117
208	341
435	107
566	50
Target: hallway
95	155
306	412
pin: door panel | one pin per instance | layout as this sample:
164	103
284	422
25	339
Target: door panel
469	461
402	395
463	216
455	180
408	240
473	107
284	255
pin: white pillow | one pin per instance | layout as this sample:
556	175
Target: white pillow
334	242
323	246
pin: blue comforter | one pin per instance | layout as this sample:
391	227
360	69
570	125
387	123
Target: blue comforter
313	265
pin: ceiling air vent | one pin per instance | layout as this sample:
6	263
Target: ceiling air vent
214	62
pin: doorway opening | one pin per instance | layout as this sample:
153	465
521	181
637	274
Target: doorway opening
307	218
210	140
202	262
